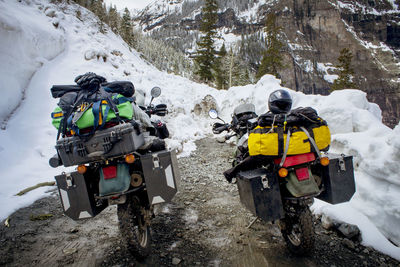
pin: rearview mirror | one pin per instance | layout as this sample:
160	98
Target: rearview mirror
213	114
155	92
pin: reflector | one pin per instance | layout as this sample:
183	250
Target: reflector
130	159
81	169
324	161
302	174
109	172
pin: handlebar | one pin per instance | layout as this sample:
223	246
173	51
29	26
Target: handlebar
219	129
160	110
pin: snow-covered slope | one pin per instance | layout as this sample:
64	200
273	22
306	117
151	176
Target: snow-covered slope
28	142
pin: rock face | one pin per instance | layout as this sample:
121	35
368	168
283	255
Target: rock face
320	29
315	31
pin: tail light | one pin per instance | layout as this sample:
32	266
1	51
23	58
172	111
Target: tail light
324	161
296	159
81	169
283	172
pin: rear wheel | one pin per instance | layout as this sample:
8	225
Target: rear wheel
134	226
298	232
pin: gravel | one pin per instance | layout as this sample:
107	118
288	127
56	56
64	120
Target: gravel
205	225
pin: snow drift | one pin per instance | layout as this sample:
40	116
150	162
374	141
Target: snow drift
65	47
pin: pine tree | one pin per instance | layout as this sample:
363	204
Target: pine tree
206	54
101	12
113	19
221	74
272	58
345	71
126	29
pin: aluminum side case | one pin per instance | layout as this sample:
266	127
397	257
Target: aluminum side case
161	175
338	179
260	193
116	141
77	197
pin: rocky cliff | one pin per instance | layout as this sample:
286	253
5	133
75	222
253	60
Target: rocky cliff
314	32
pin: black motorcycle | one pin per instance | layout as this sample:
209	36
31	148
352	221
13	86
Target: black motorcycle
281	189
113	169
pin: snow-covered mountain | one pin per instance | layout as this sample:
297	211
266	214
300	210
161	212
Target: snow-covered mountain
314	33
44	44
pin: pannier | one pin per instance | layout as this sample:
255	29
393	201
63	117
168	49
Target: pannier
162	175
119	140
269	138
259	192
338	179
77	198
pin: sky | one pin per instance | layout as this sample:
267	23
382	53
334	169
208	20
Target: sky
39	55
130	4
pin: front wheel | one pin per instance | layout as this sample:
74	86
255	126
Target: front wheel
298	232
134	226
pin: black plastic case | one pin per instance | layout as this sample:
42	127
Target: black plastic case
338	179
259	192
119	140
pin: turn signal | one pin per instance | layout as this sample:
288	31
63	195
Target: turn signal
283	172
130	159
81	169
324	161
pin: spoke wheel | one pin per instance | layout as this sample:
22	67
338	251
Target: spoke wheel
134	227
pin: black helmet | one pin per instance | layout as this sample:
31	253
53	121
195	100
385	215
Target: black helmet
279	101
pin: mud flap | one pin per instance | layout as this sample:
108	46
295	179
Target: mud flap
301	188
161	174
76	196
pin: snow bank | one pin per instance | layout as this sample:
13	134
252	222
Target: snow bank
28	142
28	39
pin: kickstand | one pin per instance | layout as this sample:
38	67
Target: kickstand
252	222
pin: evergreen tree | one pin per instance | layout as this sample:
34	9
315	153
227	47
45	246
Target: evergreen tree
221	74
113	19
126	29
101	12
345	71
206	54
272	59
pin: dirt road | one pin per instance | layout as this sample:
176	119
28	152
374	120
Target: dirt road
205	225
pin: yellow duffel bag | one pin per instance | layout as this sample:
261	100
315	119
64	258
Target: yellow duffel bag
267	142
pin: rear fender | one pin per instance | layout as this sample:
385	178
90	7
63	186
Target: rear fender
301	188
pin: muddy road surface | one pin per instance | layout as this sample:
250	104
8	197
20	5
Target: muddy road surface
205	225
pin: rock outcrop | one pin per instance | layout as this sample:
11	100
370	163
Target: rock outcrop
315	31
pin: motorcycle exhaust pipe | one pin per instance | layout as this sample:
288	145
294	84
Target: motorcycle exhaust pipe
136	179
55	161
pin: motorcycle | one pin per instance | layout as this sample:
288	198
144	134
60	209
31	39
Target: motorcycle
114	170
282	189
161	129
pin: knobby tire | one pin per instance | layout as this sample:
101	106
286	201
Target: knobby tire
133	228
